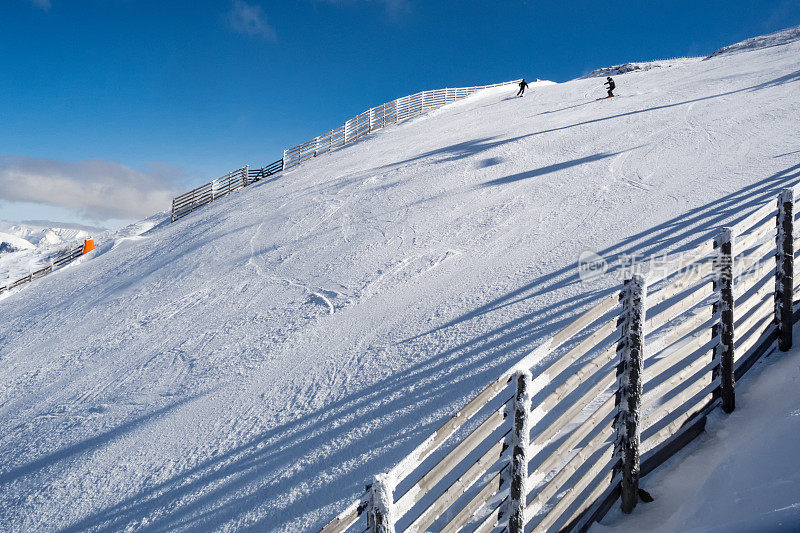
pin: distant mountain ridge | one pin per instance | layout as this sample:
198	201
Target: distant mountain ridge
644	66
777	38
64	225
28	246
755	43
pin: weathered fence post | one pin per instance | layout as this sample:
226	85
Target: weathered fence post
380	518
519	452
784	269
631	366
245	175
723	287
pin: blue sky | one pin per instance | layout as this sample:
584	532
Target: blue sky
124	102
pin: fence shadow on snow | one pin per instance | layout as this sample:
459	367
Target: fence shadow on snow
586	438
241	478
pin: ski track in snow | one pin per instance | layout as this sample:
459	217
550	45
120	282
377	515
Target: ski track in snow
254	367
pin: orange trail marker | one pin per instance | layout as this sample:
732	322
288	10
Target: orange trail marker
88	246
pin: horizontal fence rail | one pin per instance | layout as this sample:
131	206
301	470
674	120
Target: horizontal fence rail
357	127
58	262
233	181
552	443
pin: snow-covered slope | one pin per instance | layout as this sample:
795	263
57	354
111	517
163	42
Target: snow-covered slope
743	474
254	364
789	35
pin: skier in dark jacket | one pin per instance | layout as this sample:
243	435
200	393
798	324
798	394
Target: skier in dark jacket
522	86
611	86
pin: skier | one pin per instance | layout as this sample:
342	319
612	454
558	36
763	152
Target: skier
522	87
611	86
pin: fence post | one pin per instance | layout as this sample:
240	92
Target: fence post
519	448
631	366
784	271
723	287
245	175
380	518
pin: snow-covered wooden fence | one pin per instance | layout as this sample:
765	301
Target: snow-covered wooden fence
612	396
357	127
376	118
60	261
232	181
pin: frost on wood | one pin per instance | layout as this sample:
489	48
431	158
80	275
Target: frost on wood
630	387
784	268
381	516
519	446
723	286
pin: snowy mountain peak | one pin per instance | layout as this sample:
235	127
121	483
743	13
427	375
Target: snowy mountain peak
625	68
12	243
777	38
28	246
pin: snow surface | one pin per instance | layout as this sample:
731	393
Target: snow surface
777	38
742	474
256	363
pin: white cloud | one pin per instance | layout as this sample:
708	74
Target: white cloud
249	19
393	7
96	189
42	4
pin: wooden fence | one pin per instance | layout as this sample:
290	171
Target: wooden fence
376	118
617	392
232	181
60	261
355	128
